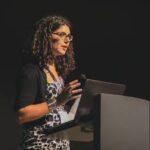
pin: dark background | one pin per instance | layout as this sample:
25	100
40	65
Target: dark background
110	42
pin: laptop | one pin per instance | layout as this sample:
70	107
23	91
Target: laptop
83	108
91	89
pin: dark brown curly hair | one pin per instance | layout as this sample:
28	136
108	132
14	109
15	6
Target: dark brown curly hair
41	52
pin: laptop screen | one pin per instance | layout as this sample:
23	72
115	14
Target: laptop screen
90	90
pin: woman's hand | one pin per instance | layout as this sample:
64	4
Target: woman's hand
72	91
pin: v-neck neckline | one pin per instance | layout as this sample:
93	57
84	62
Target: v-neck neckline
53	78
54	82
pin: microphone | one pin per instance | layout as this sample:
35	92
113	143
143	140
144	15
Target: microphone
82	79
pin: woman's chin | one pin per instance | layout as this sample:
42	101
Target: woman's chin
60	53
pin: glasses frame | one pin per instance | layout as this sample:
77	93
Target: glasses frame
63	35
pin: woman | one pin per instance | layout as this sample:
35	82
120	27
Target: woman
41	93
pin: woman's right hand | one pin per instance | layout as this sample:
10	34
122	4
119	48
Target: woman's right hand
71	91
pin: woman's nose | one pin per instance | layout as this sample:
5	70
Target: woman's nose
66	40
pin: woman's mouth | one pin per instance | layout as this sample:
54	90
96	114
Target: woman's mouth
64	46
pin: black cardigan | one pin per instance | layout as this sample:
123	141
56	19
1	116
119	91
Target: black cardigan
31	86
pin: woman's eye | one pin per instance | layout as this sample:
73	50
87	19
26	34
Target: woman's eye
62	34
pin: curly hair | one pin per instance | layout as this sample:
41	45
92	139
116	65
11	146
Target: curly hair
41	51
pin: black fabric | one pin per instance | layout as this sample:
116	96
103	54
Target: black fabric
31	89
30	86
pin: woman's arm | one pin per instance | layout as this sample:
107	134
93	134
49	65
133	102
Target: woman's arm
36	111
27	89
32	112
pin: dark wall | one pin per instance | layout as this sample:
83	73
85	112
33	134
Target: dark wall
110	42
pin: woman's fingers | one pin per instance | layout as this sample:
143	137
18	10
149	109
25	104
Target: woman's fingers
73	85
76	97
76	91
73	82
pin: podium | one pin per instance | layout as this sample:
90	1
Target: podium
120	123
92	87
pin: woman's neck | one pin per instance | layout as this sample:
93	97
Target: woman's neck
53	72
52	66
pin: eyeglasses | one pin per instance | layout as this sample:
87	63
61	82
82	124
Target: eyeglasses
63	35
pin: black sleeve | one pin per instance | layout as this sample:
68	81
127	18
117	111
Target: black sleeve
27	87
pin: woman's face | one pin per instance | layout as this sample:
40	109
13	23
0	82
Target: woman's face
60	40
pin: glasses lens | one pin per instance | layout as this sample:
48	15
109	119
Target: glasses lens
70	37
63	35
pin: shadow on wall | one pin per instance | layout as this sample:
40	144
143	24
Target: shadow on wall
10	132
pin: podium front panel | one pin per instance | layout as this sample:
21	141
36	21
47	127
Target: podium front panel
122	123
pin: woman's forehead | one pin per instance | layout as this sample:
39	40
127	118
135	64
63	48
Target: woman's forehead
63	28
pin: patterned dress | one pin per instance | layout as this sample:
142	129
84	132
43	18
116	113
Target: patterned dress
35	139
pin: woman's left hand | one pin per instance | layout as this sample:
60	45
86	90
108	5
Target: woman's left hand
72	91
